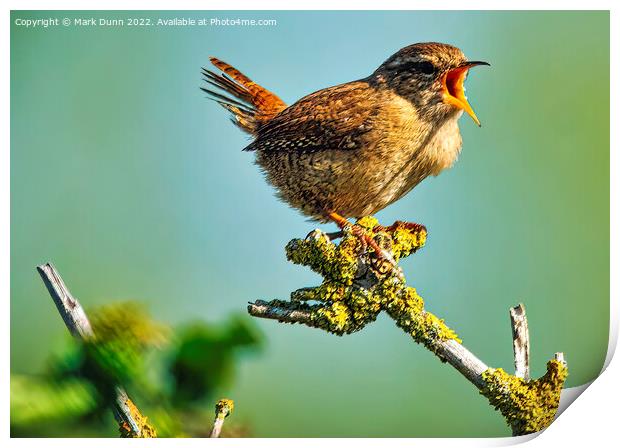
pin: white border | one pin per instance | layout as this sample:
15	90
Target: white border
312	5
591	421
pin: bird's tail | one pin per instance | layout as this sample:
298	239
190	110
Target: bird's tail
251	105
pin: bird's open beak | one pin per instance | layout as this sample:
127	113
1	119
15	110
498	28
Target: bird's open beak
453	89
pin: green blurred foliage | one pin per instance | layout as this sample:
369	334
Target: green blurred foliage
78	385
124	335
36	400
204	359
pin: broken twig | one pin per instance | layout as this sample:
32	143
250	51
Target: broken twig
131	422
520	341
223	409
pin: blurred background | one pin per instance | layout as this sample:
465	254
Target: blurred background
135	186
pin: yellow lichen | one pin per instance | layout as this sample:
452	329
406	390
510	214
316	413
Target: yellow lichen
337	316
322	256
348	307
145	428
528	406
368	222
405	242
407	309
224	407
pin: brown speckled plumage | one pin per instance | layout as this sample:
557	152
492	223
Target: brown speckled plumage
357	147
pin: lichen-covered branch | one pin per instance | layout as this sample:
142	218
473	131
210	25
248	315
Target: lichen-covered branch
130	421
223	409
357	286
528	406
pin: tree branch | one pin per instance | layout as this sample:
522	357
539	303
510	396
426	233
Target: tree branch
356	289
131	422
295	313
449	350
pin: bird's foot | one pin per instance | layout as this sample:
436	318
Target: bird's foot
368	241
383	257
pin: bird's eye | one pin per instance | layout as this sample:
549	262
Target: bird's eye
417	66
426	67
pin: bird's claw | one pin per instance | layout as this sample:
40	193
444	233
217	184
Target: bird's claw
380	253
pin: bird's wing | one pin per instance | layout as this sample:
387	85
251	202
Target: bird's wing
333	118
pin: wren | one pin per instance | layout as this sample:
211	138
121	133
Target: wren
350	150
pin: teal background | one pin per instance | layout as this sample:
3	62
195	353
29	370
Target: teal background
135	187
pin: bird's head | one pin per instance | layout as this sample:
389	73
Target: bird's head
431	76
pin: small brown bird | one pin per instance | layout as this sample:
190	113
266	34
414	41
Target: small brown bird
350	150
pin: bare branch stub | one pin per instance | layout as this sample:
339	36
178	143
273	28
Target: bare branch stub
69	308
223	408
131	422
288	312
355	289
520	341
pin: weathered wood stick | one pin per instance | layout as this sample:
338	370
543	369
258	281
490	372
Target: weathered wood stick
263	309
79	326
520	341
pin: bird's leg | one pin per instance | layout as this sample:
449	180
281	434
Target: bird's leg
364	237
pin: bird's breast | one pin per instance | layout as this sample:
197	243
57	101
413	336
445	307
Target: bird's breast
410	142
408	151
444	144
